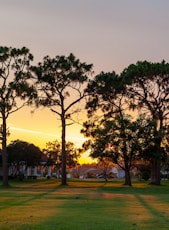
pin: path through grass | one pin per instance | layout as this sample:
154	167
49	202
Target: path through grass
84	205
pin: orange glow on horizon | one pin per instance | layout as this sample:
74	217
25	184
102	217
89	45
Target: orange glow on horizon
40	139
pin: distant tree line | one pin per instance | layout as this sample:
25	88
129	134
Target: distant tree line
127	112
29	155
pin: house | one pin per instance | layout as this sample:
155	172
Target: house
93	171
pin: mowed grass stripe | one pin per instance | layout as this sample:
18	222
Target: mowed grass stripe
47	205
91	213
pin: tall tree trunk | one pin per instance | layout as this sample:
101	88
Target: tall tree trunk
4	152
127	177
64	182
158	174
155	172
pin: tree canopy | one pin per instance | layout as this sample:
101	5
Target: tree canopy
22	151
147	89
16	90
53	151
142	88
60	81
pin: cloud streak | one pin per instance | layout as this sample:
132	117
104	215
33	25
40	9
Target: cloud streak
36	132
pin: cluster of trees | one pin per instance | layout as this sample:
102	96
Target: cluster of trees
23	152
143	91
57	83
61	83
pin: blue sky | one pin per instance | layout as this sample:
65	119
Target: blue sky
111	34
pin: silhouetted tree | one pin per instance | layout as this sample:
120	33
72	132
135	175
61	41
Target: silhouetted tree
105	163
23	151
147	87
73	153
16	90
119	139
53	151
61	81
106	95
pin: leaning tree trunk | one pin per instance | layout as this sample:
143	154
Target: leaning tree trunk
4	153
64	182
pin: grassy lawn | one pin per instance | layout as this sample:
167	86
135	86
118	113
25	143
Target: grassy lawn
84	205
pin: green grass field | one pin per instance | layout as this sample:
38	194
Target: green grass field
84	205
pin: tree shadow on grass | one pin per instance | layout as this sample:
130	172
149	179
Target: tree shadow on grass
157	209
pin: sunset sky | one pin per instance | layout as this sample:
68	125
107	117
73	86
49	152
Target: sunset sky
110	34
